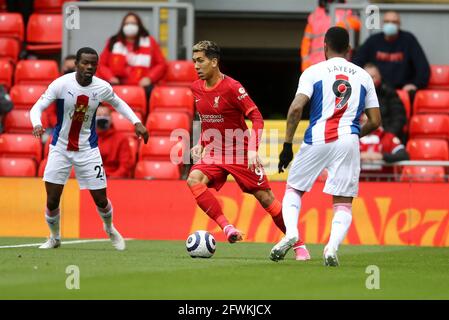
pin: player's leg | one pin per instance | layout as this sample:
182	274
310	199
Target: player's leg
198	183
56	173
342	183
105	210
273	206
90	175
52	215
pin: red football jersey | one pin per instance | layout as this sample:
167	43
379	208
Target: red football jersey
222	110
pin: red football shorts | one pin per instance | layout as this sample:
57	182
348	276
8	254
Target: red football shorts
247	180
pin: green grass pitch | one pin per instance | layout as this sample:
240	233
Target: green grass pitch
163	270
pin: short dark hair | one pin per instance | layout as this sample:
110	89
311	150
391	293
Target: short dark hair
210	48
337	38
87	50
70	57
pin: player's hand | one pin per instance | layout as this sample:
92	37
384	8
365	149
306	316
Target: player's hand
114	80
285	157
38	131
253	160
196	152
141	131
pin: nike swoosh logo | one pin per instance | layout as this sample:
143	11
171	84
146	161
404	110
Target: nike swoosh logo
259	183
196	100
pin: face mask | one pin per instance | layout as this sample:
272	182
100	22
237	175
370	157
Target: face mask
130	29
103	123
390	29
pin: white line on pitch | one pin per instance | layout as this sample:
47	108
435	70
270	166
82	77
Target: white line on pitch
63	242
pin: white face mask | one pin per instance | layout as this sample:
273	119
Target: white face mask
130	29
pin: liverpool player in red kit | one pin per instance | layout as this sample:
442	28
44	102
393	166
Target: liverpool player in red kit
225	145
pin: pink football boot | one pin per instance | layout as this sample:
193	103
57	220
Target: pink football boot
301	252
232	234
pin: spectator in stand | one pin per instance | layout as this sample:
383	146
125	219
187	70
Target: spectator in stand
391	107
398	55
5	105
380	145
114	146
69	64
318	22
132	56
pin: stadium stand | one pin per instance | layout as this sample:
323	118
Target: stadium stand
120	123
9	49
14	145
18	121
25	96
157	170
134	96
428	149
429	126
162	123
6	72
17	167
44	33
165	98
41	72
49	6
160	148
439	77
179	73
11	25
431	101
405	98
423	174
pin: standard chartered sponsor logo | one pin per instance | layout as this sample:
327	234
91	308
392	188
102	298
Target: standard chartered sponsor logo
212	118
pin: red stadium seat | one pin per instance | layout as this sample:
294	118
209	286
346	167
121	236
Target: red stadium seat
423	174
157	170
41	72
6	71
17	167
3	6
160	148
428	149
9	49
172	98
49	6
439	77
11	25
431	101
25	96
41	169
18	121
44	33
429	126
20	145
161	123
180	73
121	123
134	96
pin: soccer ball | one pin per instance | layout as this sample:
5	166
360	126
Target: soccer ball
200	244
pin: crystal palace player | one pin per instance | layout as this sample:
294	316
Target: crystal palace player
339	92
222	104
74	142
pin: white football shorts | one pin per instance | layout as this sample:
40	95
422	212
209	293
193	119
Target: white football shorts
341	158
88	167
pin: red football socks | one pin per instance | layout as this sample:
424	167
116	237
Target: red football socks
209	204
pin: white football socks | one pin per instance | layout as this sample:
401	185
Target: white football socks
53	223
106	215
291	205
340	224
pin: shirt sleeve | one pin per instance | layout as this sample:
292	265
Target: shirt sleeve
47	98
305	85
371	100
244	101
121	106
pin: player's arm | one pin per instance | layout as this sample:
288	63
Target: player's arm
123	108
256	136
47	98
374	120
293	118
